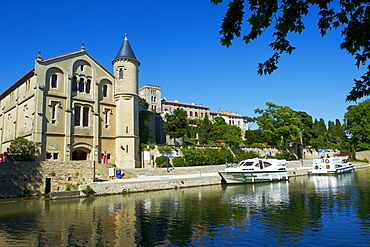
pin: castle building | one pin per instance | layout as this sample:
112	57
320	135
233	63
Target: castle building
75	109
152	95
231	119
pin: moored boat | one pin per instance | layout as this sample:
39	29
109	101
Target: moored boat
256	170
326	166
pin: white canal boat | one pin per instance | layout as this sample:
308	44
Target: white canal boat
326	166
256	170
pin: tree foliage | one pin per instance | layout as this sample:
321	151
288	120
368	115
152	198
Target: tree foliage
22	149
205	130
286	17
143	103
176	123
144	129
280	124
357	125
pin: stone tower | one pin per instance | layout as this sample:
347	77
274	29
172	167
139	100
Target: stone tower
125	67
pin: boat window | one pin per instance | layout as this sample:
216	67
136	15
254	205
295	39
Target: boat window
266	164
248	164
261	164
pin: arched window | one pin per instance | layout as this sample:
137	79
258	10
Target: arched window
196	114
54	80
105	90
191	113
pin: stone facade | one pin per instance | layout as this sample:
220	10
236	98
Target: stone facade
75	109
231	119
152	94
37	178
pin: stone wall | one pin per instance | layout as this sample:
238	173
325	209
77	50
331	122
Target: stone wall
36	178
362	155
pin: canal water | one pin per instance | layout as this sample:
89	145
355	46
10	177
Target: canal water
306	211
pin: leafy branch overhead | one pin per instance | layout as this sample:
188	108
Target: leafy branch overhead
352	16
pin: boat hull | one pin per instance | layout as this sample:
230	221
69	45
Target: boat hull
335	171
237	177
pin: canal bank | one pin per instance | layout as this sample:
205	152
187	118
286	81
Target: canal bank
152	179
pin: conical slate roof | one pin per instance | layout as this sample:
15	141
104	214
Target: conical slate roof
125	51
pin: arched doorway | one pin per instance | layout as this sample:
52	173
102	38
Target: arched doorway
79	155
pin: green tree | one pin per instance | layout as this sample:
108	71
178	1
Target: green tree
357	125
219	128
143	103
144	129
352	17
205	130
22	149
176	124
320	133
280	124
253	136
305	127
232	135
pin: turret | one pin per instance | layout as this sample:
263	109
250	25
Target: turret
127	113
126	69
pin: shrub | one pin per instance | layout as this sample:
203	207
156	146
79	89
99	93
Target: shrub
88	191
243	155
284	155
22	149
26	192
161	160
193	157
178	161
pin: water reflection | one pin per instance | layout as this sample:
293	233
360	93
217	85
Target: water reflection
307	211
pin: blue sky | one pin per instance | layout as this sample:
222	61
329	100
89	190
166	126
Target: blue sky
178	45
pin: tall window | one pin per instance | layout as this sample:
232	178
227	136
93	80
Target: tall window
88	86
81	85
28	85
85	120
121	74
105	90
191	113
77	115
54	81
82	115
74	84
196	114
54	108
107	112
